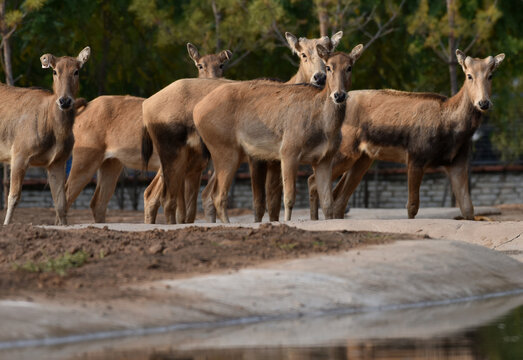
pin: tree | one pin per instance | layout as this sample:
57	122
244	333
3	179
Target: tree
10	20
240	26
457	25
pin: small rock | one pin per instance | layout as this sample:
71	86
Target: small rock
155	249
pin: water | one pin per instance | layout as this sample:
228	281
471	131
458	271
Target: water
444	332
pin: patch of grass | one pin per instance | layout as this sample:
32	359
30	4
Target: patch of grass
58	265
287	246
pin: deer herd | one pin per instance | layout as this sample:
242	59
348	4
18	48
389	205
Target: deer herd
314	118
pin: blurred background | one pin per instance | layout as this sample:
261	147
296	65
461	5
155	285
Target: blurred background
139	46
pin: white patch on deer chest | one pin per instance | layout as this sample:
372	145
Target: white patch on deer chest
109	155
193	140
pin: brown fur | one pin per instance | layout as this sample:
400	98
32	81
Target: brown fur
174	104
419	129
36	128
108	133
270	121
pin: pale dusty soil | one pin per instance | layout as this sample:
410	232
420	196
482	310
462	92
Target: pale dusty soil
117	259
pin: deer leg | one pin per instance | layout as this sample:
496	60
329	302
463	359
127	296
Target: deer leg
225	169
180	204
289	170
56	178
323	176
207	199
18	169
105	186
459	179
84	166
348	184
339	166
273	189
258	171
313	197
415	175
152	198
192	187
173	172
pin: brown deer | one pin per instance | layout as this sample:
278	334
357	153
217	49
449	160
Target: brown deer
36	129
108	136
169	123
419	129
290	123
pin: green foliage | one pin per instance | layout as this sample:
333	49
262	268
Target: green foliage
13	18
59	265
432	25
33	5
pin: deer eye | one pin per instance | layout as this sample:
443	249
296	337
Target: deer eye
54	72
349	69
489	77
303	55
200	66
328	68
76	72
221	66
469	76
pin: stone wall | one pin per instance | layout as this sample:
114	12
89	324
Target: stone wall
377	190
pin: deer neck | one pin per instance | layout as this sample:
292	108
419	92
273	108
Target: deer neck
61	122
332	114
299	78
462	115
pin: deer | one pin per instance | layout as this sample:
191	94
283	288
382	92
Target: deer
108	135
169	126
36	129
421	130
293	124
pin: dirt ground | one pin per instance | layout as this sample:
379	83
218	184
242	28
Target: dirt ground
117	259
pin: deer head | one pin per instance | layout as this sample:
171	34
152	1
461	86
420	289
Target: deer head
209	66
478	82
339	71
311	65
65	76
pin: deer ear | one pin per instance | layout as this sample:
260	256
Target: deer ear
193	52
460	55
84	56
48	61
497	60
323	53
225	56
293	42
335	39
356	52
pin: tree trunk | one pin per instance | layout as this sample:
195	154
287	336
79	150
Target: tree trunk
106	46
323	17
452	49
217	21
7	63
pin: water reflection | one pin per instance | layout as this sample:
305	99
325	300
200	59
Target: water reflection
500	339
476	330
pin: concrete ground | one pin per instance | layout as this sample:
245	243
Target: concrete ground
466	274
